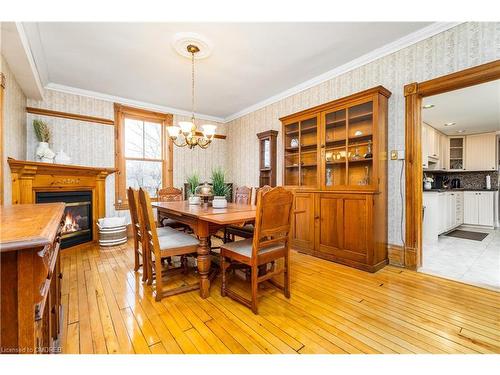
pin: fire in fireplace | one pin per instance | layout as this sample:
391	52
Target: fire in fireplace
78	215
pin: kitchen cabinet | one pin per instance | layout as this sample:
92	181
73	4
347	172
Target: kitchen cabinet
443	213
479	208
456	156
480	152
444	153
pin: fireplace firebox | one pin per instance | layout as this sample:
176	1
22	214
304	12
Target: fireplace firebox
77	216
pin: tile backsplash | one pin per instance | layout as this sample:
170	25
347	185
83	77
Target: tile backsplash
470	180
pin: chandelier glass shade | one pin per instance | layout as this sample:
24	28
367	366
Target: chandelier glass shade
185	133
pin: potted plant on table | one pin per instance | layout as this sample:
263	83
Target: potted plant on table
193	181
42	132
219	187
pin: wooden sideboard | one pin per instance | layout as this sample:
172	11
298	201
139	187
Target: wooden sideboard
30	278
335	162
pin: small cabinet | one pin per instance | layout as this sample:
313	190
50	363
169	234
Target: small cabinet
303	222
456	157
343	228
481	152
479	208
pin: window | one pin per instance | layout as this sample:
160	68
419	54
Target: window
143	152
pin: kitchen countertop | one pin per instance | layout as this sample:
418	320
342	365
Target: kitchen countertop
461	189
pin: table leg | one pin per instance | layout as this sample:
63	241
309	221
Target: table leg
204	259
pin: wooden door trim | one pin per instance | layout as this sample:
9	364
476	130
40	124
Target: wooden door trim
414	93
2	87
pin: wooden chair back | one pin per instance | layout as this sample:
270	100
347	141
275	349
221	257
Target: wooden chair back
243	195
265	187
272	219
169	194
133	205
150	234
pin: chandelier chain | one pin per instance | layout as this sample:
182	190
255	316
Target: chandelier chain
192	87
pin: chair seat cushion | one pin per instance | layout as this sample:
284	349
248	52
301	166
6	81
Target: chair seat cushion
244	247
177	239
165	231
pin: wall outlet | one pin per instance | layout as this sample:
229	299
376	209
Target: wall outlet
397	155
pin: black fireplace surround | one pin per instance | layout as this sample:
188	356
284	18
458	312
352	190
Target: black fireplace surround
77	215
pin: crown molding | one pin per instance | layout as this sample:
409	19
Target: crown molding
408	40
130	102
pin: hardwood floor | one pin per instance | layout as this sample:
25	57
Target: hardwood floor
333	309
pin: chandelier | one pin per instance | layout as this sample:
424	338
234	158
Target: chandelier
186	133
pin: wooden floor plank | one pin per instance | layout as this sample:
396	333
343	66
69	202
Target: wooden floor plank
333	309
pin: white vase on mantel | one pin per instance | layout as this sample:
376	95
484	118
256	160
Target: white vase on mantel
44	153
219	202
62	158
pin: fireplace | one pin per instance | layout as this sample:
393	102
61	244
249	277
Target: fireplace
77	216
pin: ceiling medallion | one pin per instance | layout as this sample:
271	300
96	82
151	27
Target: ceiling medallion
181	41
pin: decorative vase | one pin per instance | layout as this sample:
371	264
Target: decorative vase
193	199
44	153
427	185
62	158
219	202
294	143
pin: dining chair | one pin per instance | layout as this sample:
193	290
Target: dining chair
171	194
140	256
270	242
244	230
176	243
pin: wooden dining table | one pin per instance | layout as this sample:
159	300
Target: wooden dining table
205	221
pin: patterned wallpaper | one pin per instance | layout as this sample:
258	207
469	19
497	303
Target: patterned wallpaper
88	144
14	136
463	46
92	144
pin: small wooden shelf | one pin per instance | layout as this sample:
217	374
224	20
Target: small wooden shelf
302	131
364	136
360	160
361	117
335	141
335	123
303	166
336	162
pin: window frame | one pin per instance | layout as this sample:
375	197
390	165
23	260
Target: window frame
165	119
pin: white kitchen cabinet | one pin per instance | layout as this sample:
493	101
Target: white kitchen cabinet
456	153
479	208
444	153
443	212
425	148
480	152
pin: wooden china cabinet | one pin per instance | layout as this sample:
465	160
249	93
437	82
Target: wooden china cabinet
335	162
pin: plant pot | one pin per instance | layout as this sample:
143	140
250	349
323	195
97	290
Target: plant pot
194	200
219	202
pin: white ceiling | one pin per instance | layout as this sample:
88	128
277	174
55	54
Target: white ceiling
475	109
250	62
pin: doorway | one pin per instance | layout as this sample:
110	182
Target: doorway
415	95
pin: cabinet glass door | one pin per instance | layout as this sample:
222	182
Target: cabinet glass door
308	152
335	156
292	156
301	152
360	144
456	153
